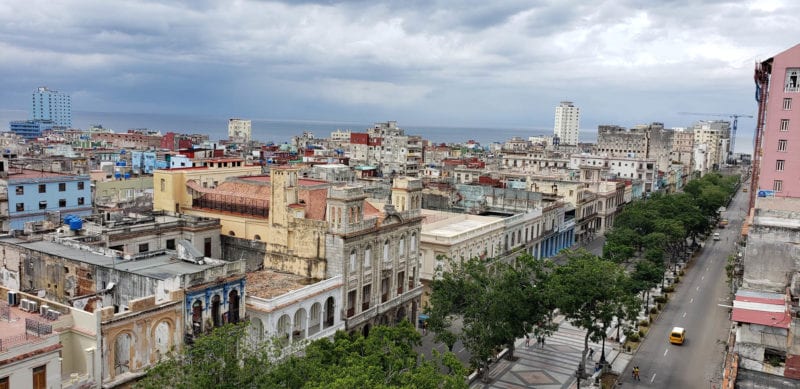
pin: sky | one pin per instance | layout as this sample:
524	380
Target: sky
446	63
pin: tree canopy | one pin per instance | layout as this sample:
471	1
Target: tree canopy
384	359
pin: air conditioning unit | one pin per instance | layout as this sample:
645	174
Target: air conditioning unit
43	310
24	305
53	315
13	298
33	306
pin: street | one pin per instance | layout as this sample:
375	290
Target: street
700	306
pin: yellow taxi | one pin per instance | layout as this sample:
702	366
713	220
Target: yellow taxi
677	335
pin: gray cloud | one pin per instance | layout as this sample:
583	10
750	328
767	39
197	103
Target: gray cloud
444	62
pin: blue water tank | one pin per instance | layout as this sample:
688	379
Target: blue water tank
75	222
117	175
120	163
127	175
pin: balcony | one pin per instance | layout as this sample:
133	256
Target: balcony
364	306
351	312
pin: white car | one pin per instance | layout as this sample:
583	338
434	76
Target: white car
716	236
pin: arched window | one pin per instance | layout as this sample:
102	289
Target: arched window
386	250
231	233
401	246
163	341
257	237
413	248
122	353
353	261
368	257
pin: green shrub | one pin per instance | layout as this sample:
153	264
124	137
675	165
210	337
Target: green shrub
641	333
660	299
654	310
644	323
660	306
634	337
677	280
681	273
669	289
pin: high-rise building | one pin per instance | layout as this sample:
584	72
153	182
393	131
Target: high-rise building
568	118
777	154
52	105
239	130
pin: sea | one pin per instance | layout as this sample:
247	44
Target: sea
282	130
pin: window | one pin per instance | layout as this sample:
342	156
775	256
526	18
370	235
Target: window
62	203
144	247
40	377
782	145
401	247
784	124
80	185
787	103
353	261
43	205
62	187
368	257
81	201
779	165
163	185
4	384
386	250
20	207
777	185
42	188
170	244
20	190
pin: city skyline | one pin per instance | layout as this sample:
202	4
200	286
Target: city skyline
481	65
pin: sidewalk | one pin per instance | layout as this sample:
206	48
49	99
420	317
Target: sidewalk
554	365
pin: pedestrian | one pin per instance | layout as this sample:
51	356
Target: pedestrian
424	328
527	340
591	353
542	341
636	373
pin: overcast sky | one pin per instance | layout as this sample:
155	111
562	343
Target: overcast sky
466	63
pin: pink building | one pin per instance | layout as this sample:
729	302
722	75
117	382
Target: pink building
777	149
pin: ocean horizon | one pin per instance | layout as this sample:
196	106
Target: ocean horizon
282	130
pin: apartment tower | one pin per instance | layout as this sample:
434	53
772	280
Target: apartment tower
567	122
52	105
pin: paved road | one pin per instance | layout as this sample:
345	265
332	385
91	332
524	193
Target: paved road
696	307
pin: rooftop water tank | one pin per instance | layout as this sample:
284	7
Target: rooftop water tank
75	222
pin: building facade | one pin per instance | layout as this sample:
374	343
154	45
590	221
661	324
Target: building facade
239	130
47	104
32	195
779	159
30	129
567	123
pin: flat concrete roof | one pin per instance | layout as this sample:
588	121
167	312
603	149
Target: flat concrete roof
268	284
160	267
447	224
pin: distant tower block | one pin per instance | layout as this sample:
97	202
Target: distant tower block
239	130
567	122
48	104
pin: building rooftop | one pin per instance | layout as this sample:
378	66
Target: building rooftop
20	328
450	225
764	308
269	284
159	266
28	174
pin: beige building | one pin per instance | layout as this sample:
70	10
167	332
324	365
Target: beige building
239	130
313	229
715	135
170	191
683	146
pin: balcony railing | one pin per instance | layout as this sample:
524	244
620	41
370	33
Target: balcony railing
351	312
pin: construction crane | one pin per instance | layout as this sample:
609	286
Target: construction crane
735	117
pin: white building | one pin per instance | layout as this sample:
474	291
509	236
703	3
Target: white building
292	308
716	135
567	121
239	130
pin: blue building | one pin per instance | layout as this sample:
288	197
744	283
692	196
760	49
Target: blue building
52	105
30	129
33	194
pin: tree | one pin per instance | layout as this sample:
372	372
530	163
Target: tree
590	292
488	305
384	359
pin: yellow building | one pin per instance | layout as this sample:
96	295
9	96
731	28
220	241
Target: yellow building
170	192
